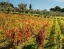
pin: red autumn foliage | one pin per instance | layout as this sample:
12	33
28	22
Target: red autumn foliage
21	34
8	33
28	32
40	37
46	25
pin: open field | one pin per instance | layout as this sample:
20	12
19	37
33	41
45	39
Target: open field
21	31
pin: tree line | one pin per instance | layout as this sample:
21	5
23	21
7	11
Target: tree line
57	8
7	7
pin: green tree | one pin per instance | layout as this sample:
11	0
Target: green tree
52	9
5	5
62	10
22	6
8	10
30	7
57	8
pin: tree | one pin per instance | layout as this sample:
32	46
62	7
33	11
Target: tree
8	10
5	6
52	9
16	9
57	8
11	5
62	10
30	7
22	6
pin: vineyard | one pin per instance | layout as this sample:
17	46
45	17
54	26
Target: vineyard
23	31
